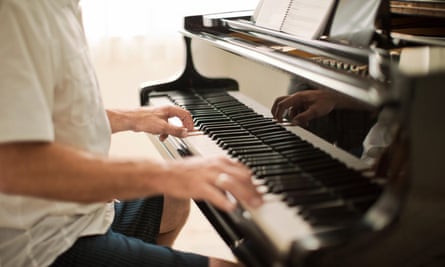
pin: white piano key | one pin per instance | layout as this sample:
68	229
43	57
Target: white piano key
280	223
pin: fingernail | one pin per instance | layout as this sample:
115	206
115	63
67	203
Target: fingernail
184	133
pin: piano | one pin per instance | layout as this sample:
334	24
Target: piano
324	206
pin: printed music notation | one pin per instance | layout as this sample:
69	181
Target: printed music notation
300	18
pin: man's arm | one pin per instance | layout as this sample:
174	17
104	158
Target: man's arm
55	171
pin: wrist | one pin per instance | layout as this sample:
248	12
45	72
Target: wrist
121	120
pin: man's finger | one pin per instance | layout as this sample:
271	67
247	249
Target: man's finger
177	131
183	115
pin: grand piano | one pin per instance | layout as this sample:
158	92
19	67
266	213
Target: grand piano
324	206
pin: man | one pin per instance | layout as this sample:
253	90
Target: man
58	187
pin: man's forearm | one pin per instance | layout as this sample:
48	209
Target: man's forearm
120	120
55	171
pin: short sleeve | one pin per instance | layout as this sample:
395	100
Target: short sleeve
26	75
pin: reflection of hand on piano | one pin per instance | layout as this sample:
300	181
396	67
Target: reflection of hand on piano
304	106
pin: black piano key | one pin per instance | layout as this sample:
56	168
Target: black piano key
202	121
242	119
209	94
305	155
272	170
210	118
214	127
262	129
219	128
196	106
260	156
302	197
245	138
298	149
285	168
282	132
223	135
266	161
189	101
265	122
210	114
221	98
282	140
205	112
259	126
227	144
227	132
271	180
252	126
290	185
221	123
233	111
241	143
223	105
243	149
252	150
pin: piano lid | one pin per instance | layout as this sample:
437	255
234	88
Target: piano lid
336	66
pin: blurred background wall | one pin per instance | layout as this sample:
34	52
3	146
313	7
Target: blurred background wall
134	41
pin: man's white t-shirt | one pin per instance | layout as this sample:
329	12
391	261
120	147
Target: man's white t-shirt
49	93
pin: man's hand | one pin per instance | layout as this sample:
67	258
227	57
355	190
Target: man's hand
152	120
208	179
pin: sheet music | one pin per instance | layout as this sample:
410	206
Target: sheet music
271	13
307	19
301	18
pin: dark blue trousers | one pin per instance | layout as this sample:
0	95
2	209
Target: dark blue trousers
130	242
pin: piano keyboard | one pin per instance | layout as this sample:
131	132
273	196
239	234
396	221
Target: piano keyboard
307	190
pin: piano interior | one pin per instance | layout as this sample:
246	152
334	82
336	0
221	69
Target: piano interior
334	195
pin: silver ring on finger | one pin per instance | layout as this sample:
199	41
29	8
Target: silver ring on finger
222	179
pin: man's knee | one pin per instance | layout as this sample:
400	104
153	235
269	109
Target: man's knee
175	214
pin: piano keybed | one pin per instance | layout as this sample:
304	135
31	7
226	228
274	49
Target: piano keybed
307	191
